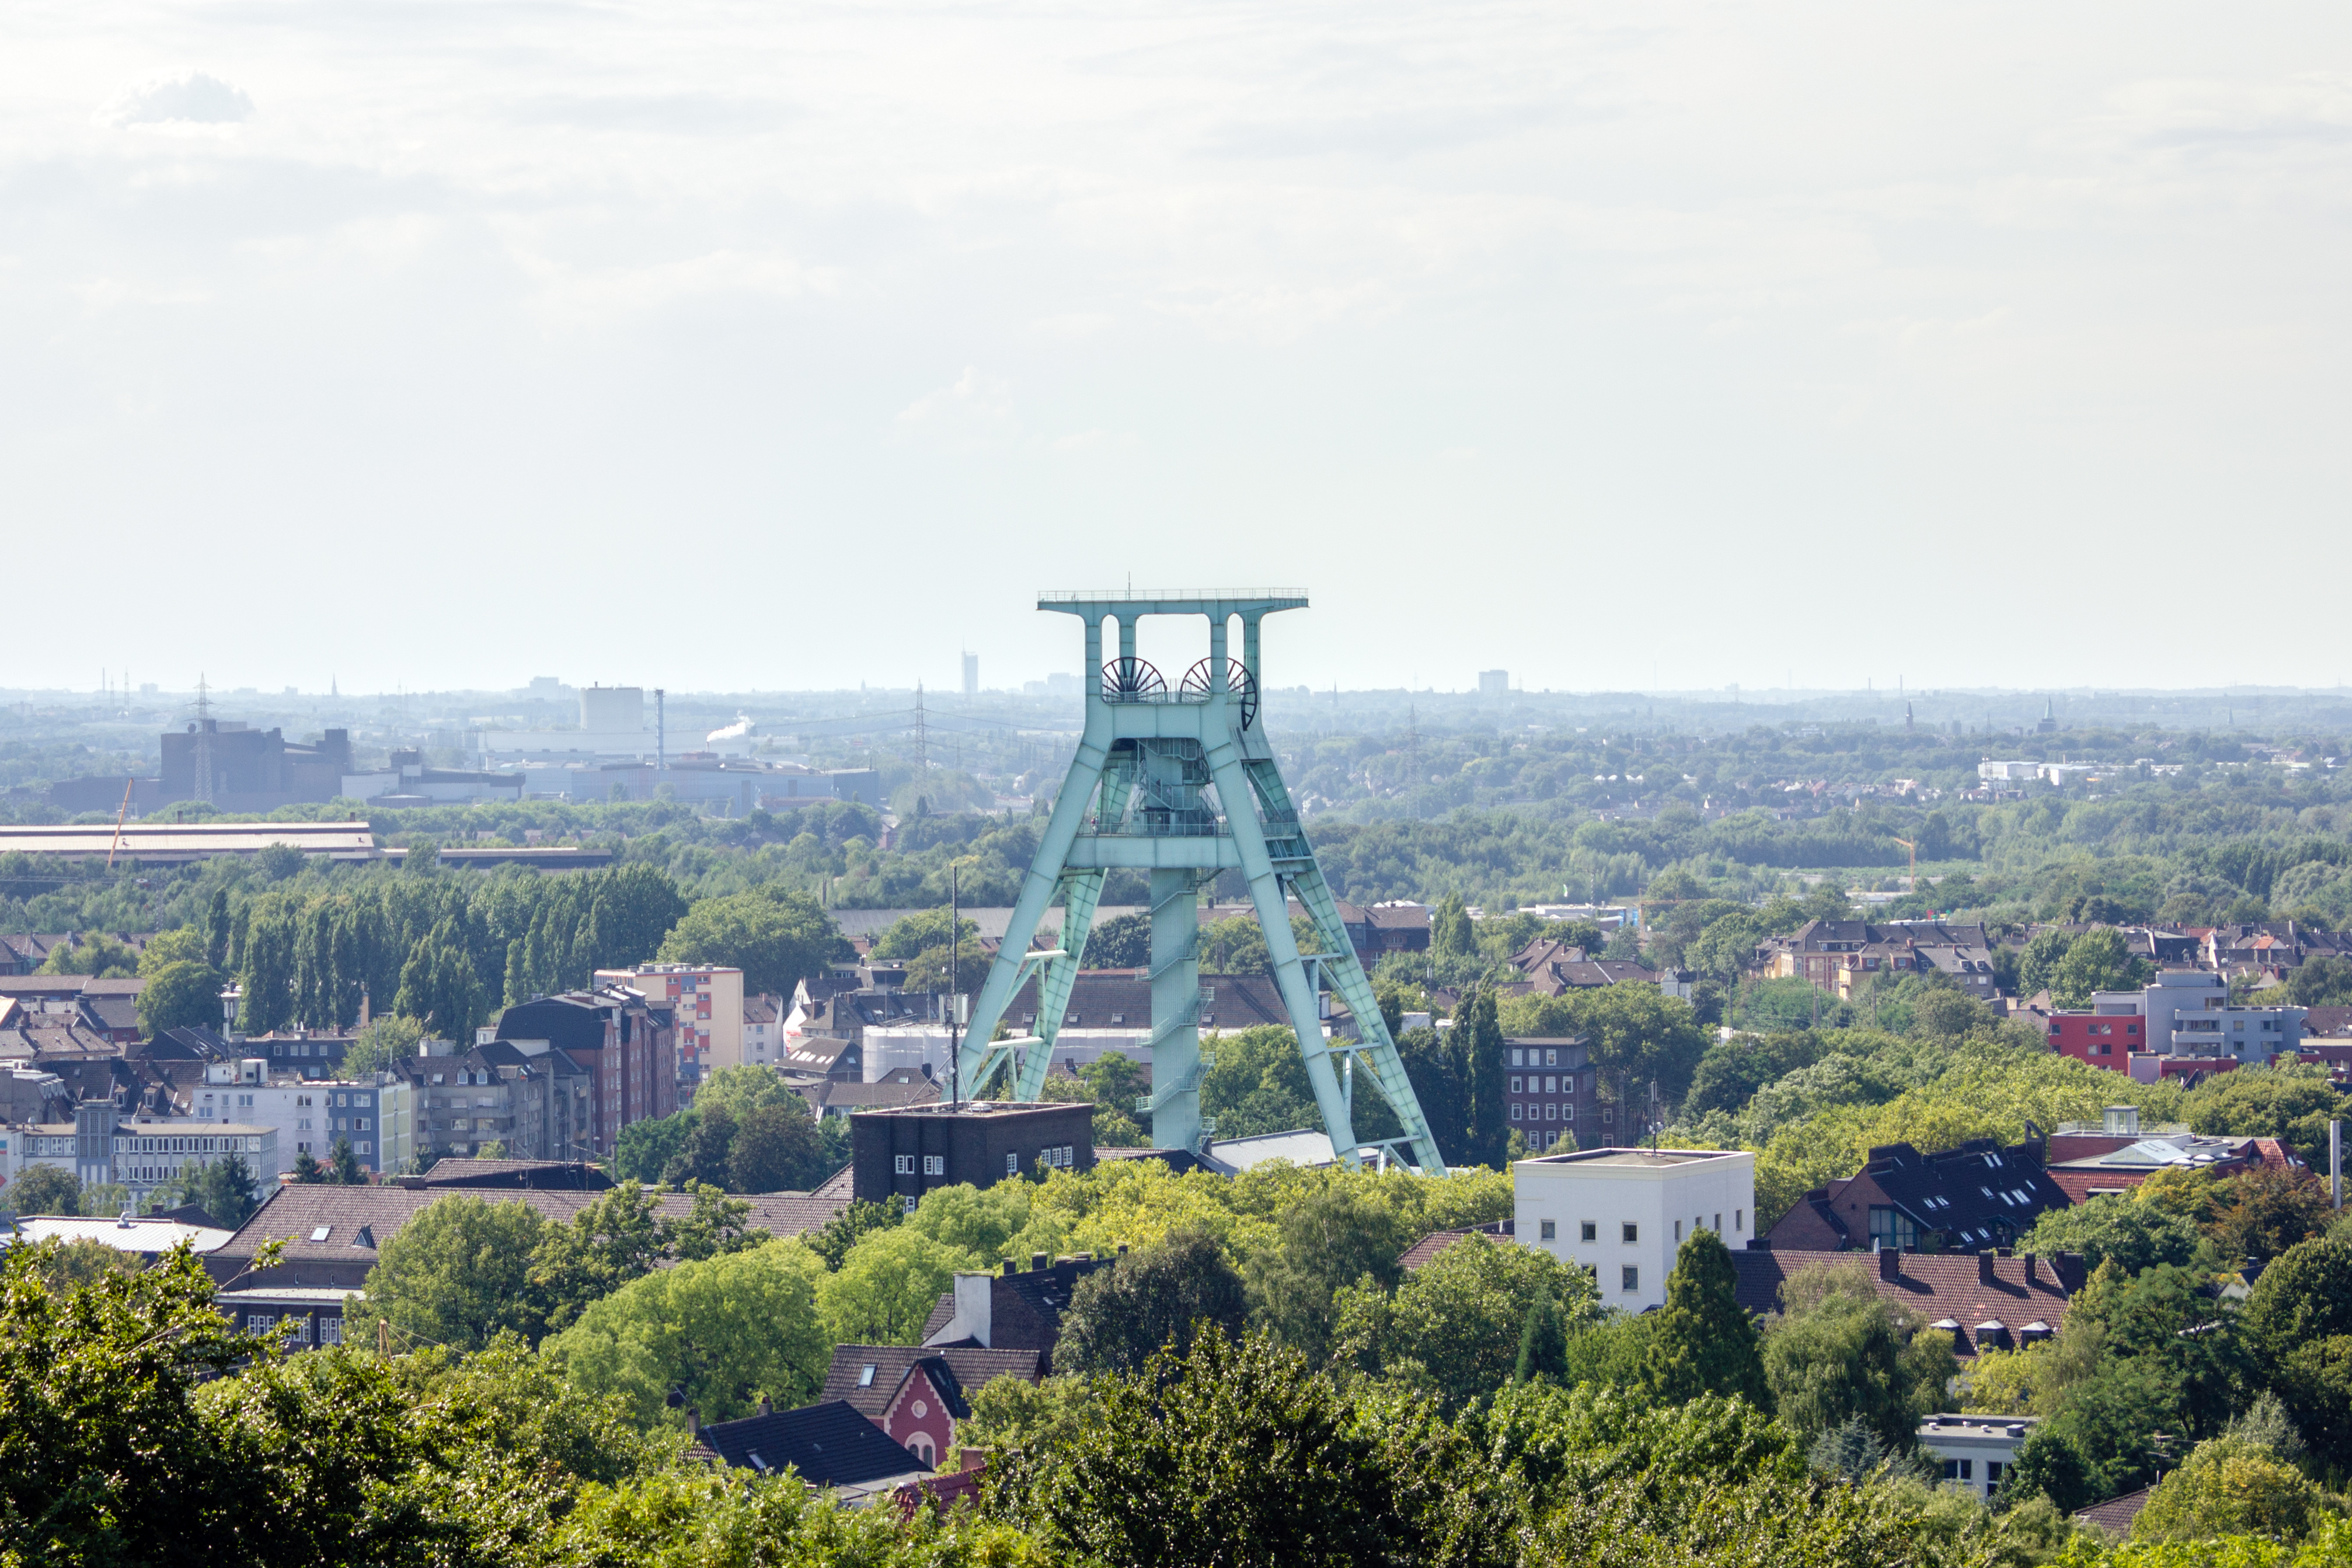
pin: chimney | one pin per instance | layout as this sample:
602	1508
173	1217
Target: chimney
1039	1261
973	1459
1011	1269
1890	1263
1986	1273
767	1407
2032	1268
975	1300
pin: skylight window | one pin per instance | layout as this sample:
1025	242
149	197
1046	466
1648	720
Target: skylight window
319	1232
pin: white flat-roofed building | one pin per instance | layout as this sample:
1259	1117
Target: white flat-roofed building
1623	1215
1975	1451
100	1147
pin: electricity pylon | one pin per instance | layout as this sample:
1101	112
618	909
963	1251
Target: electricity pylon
1183	784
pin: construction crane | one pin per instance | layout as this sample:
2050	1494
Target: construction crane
1915	861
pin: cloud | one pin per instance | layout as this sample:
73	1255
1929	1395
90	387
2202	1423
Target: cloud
190	98
972	398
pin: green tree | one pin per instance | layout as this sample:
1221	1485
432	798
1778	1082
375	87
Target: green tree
2136	1235
457	1274
647	1148
94	953
1258	1084
702	1156
1705	1341
1231	1454
777	937
104	1457
886	1287
776	1148
2227	1486
1836	1351
180	996
44	1189
723	1331
384	1041
2298	1320
2261	1213
845	1230
1454	1327
1120	1316
1334	1238
2098	960
343	1166
1122	942
1490	1127
2293	1103
224	1189
1451	933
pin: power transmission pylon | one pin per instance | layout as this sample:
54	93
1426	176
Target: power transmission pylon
1135	799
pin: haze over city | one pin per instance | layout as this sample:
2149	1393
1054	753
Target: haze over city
1630	348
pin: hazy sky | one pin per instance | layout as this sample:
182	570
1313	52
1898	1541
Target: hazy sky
789	345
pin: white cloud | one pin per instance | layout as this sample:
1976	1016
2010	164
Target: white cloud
187	98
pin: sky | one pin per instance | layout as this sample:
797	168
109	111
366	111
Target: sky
788	346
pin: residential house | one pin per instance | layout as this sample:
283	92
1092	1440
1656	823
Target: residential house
706	1005
624	1041
1975	1451
1623	1215
1984	1301
831	1446
898	1155
1011	1310
1552	1092
1977	1196
917	1394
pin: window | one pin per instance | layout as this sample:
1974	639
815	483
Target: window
1516	1109
1012	1163
1517	1085
1631	1278
866	1375
1551	1086
905	1164
1678	1232
935	1164
1551	1112
1992	1474
1588	1231
1718	1224
331	1330
261	1323
1890	1227
1515	1054
909	1204
318	1232
1608	1115
1633	1232
1739	1220
1551	1230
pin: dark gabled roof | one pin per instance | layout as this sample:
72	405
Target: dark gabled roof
1968	1290
1039	1296
966	1367
565	1175
1978	1195
831	1444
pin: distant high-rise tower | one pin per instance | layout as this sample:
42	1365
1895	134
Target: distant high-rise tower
972	675
1907	725
2048	725
1493	682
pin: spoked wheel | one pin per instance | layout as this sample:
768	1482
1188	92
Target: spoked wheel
1238	681
1131	680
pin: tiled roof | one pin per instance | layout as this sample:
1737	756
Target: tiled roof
971	1367
1968	1290
575	1175
351	1224
830	1444
1435	1242
2117	1513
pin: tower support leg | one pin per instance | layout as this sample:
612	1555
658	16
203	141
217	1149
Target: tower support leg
1175	1011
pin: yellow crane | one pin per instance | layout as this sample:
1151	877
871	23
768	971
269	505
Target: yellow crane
1915	861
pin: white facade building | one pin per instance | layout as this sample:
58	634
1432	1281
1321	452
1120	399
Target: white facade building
2188	1014
706	1002
1975	1451
145	1153
308	1114
1621	1214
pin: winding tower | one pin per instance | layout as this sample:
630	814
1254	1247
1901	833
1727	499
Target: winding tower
1180	783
